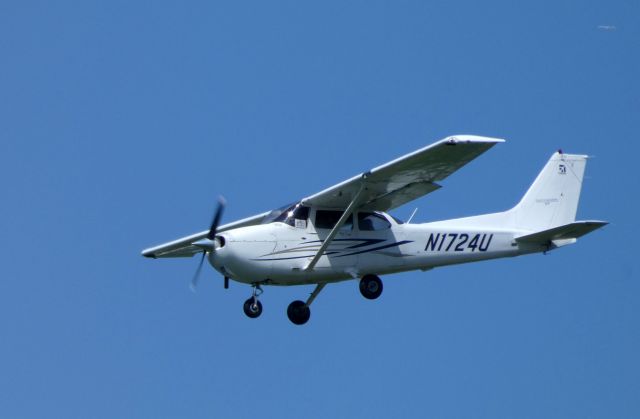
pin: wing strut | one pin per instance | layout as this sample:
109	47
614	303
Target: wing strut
347	213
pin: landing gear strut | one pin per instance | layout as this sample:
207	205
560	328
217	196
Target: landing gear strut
253	307
370	287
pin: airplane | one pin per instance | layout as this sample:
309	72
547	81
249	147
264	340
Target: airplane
345	232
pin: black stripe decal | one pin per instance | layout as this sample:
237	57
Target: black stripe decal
377	248
386	246
294	257
364	242
307	246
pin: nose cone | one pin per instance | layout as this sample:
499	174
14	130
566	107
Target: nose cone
225	258
219	250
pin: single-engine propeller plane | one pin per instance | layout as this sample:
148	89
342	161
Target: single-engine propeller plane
344	232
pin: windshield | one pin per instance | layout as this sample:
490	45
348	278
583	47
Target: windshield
295	215
276	213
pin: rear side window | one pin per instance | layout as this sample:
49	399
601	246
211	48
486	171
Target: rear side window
369	221
328	219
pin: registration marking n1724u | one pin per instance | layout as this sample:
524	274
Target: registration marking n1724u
458	242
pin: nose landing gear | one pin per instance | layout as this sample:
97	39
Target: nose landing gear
253	307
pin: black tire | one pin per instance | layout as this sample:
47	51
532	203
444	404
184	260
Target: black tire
298	312
370	287
252	310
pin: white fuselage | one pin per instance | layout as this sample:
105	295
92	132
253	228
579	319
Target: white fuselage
278	253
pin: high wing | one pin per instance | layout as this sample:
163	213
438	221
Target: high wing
383	188
184	247
406	178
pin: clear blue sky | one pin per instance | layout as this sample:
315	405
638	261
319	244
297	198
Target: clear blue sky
121	122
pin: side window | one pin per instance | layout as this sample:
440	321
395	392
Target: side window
328	219
369	221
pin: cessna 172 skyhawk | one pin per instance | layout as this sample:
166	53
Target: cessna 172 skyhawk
344	232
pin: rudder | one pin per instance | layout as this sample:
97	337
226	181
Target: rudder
552	199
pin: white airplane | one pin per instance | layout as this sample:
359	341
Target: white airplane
344	232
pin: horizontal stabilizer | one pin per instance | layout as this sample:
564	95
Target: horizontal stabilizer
564	232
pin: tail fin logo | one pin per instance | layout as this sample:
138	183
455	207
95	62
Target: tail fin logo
562	169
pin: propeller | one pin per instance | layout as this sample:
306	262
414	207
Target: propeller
196	276
211	235
216	219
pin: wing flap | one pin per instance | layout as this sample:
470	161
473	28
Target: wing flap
436	161
400	196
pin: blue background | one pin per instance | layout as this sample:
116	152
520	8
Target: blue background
121	122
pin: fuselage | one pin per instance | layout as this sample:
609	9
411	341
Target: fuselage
277	253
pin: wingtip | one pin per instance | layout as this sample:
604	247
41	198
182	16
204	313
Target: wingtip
466	138
148	254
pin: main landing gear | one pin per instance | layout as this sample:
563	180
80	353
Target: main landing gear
298	311
370	287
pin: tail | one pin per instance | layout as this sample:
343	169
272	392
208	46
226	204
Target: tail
552	199
546	215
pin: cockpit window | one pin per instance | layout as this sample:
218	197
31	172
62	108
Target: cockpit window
277	213
326	219
294	215
297	217
369	221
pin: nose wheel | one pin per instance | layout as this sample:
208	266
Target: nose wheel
253	307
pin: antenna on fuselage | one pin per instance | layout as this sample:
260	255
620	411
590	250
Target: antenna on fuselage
412	214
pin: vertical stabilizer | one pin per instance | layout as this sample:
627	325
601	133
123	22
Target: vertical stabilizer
552	199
